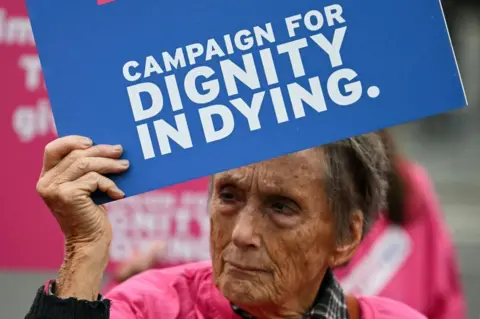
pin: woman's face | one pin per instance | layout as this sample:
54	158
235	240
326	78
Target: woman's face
271	231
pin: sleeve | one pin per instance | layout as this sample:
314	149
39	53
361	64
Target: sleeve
47	306
109	286
384	308
154	294
447	299
150	295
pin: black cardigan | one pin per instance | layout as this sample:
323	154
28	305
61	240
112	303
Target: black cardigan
48	306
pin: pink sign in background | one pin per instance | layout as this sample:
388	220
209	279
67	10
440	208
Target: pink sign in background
29	235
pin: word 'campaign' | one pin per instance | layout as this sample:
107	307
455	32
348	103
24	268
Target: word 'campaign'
202	85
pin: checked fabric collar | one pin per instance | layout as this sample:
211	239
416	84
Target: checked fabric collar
329	304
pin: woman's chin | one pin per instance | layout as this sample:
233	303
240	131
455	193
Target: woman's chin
241	291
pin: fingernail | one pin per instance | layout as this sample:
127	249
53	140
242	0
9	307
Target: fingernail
119	191
87	142
125	162
117	148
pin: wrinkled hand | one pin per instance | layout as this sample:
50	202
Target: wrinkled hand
72	170
141	262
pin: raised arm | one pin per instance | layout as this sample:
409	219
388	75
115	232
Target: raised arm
72	170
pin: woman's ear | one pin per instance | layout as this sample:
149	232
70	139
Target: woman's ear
344	250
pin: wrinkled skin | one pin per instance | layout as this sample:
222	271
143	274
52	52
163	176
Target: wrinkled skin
272	234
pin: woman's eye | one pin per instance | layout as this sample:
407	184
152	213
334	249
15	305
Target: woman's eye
226	196
279	207
282	208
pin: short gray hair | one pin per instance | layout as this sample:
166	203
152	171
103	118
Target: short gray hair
356	179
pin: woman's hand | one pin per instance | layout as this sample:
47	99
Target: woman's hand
141	262
72	170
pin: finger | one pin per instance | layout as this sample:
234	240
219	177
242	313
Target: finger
93	181
56	150
84	186
141	262
149	259
156	252
125	271
108	151
129	267
85	165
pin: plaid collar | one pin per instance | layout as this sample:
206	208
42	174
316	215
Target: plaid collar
329	304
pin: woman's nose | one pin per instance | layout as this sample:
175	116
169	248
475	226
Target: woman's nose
245	232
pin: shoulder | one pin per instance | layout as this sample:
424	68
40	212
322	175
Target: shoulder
167	291
416	174
384	308
178	275
426	217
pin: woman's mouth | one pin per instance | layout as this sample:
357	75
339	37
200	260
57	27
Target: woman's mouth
243	268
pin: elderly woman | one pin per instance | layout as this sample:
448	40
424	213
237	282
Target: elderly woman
278	228
409	246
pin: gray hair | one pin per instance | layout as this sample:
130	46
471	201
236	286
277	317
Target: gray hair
356	179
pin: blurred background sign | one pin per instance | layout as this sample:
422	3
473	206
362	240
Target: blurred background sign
177	213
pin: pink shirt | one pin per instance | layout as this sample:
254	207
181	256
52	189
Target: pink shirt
188	292
414	264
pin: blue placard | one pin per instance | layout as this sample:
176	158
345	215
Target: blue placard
191	88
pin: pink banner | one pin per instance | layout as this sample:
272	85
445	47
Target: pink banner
176	215
31	239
